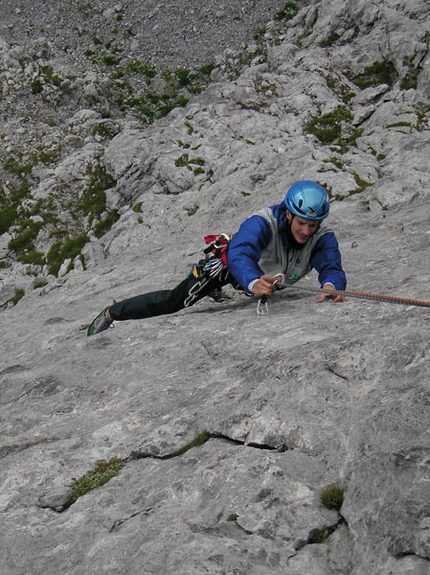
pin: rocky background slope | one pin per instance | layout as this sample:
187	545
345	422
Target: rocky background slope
119	151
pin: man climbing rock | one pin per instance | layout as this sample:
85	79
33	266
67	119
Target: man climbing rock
285	241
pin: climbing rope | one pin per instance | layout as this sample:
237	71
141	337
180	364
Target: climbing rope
262	308
364	295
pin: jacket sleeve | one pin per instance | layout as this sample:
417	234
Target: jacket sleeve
327	261
244	251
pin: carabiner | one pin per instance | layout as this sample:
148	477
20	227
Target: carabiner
225	237
262	307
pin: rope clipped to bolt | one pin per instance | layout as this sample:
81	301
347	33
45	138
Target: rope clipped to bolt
262	307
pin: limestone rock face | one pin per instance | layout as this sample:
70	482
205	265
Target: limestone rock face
309	395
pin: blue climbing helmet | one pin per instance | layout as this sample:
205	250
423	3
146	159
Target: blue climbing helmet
308	200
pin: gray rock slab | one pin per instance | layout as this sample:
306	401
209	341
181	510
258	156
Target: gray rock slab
307	396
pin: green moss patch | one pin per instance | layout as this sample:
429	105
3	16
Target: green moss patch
101	474
383	72
335	129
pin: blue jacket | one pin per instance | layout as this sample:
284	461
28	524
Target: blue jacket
260	246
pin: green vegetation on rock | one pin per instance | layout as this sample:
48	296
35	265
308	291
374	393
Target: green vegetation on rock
332	496
334	128
101	474
381	72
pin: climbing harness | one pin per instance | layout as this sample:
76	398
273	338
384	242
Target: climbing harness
346	293
214	265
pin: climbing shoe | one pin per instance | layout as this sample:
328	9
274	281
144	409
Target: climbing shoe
100	323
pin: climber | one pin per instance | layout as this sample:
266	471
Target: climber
286	240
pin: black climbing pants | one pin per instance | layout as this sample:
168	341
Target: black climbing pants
160	302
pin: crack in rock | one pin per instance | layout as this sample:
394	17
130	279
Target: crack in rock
117	524
61	500
6	450
137	454
334	372
320	535
230	527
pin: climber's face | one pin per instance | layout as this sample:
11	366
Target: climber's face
301	228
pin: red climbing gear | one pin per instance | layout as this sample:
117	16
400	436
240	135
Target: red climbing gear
213	266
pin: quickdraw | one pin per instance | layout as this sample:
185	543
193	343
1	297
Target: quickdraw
218	247
262	306
212	266
195	290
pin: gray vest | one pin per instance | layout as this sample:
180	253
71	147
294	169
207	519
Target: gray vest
276	258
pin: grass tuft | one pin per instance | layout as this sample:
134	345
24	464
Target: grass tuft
200	439
332	497
101	474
